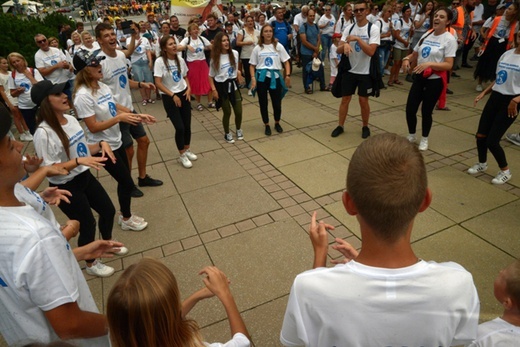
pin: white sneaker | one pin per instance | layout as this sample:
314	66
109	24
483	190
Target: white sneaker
411	138
123	250
120	218
502	177
190	155
478	167
387	72
249	92
423	145
240	134
99	269
185	161
513	138
26	137
229	138
479	88
134	223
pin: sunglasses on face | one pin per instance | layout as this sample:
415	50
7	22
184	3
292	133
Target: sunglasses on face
41	41
359	10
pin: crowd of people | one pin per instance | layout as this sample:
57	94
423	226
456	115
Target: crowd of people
82	76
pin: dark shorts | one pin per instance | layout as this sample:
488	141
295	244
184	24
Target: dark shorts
351	81
131	131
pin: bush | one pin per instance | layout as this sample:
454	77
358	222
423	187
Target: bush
22	30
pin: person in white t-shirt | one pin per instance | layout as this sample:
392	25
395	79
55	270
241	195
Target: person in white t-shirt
144	308
433	56
422	21
402	32
171	78
499	113
224	75
326	23
385	295
358	45
44	294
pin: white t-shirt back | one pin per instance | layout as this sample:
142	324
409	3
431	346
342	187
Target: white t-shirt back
20	80
50	58
49	147
172	78
115	76
425	25
226	71
436	48
102	106
507	81
357	306
497	333
359	60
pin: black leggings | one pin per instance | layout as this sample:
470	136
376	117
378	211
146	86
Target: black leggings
29	115
180	118
120	171
493	124
247	73
262	88
425	91
87	194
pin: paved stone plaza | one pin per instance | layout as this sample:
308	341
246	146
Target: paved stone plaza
245	207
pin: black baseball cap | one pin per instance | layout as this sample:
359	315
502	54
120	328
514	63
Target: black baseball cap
44	88
84	58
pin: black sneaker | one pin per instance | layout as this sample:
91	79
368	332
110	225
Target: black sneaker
409	78
467	66
336	132
365	132
449	91
136	193
278	127
453	74
147	181
267	130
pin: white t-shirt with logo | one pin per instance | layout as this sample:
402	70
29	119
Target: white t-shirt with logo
503	29
4	79
507	81
384	30
268	57
172	78
49	147
436	49
141	47
226	71
35	200
115	76
355	305
329	29
20	80
198	44
102	106
38	273
50	58
404	32
425	25
359	60
497	333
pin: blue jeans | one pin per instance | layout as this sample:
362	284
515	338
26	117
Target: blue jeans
326	42
384	53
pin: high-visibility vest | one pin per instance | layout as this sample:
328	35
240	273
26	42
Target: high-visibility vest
459	24
491	32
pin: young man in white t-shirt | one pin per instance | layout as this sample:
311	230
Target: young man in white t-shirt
359	46
115	75
503	331
385	295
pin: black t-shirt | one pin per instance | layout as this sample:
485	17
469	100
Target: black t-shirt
210	34
489	10
179	33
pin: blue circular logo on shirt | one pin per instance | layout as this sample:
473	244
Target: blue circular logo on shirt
139	49
122	81
501	77
25	85
54	62
331	24
502	33
81	149
268	61
427	25
230	71
357	47
426	51
112	109
198	50
176	76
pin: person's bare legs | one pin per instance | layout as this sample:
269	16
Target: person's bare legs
365	109
142	155
343	109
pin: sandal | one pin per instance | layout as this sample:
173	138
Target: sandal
144	102
200	107
308	91
150	101
398	82
390	83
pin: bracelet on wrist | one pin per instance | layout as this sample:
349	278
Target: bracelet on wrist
139	85
77	163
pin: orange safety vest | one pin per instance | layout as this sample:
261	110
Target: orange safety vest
459	24
491	32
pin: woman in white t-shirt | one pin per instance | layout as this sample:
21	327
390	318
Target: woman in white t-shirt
385	29
60	140
171	79
96	106
247	39
198	70
88	42
326	24
76	43
142	64
20	82
147	297
433	55
266	76
12	103
223	75
500	112
422	22
402	31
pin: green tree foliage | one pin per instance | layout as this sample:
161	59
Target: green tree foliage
21	30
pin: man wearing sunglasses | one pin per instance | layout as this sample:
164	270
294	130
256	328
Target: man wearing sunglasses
358	45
